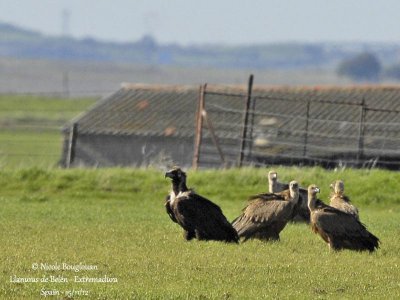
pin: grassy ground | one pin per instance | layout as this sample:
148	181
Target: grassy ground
30	128
114	219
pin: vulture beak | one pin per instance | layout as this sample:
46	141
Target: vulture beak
317	190
331	186
169	174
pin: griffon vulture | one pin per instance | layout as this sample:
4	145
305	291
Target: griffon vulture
274	186
337	228
301	212
267	214
340	201
199	217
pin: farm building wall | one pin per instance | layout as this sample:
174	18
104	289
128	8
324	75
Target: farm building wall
104	150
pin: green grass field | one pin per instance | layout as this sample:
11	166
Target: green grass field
30	128
115	219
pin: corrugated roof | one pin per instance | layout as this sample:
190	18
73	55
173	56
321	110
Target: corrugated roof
143	110
170	110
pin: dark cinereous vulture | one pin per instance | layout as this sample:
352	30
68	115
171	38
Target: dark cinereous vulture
267	214
301	212
340	201
199	217
339	229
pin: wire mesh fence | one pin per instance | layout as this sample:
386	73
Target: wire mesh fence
294	128
221	126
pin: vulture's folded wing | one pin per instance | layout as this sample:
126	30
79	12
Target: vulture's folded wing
267	196
339	223
262	211
206	217
169	210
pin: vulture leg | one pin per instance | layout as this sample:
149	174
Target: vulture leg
332	245
272	236
274	232
189	235
267	235
275	237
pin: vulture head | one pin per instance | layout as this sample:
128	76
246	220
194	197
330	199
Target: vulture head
176	174
272	181
294	190
178	179
272	176
313	190
337	187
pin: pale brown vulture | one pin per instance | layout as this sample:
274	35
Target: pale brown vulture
339	229
340	201
301	212
199	217
267	214
274	186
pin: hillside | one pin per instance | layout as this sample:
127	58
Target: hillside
26	44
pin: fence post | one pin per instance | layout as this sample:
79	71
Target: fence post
199	127
214	136
245	121
251	126
361	130
73	134
306	130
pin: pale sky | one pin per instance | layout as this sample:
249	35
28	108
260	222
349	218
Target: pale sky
211	21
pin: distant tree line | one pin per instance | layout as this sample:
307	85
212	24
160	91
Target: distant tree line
367	67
